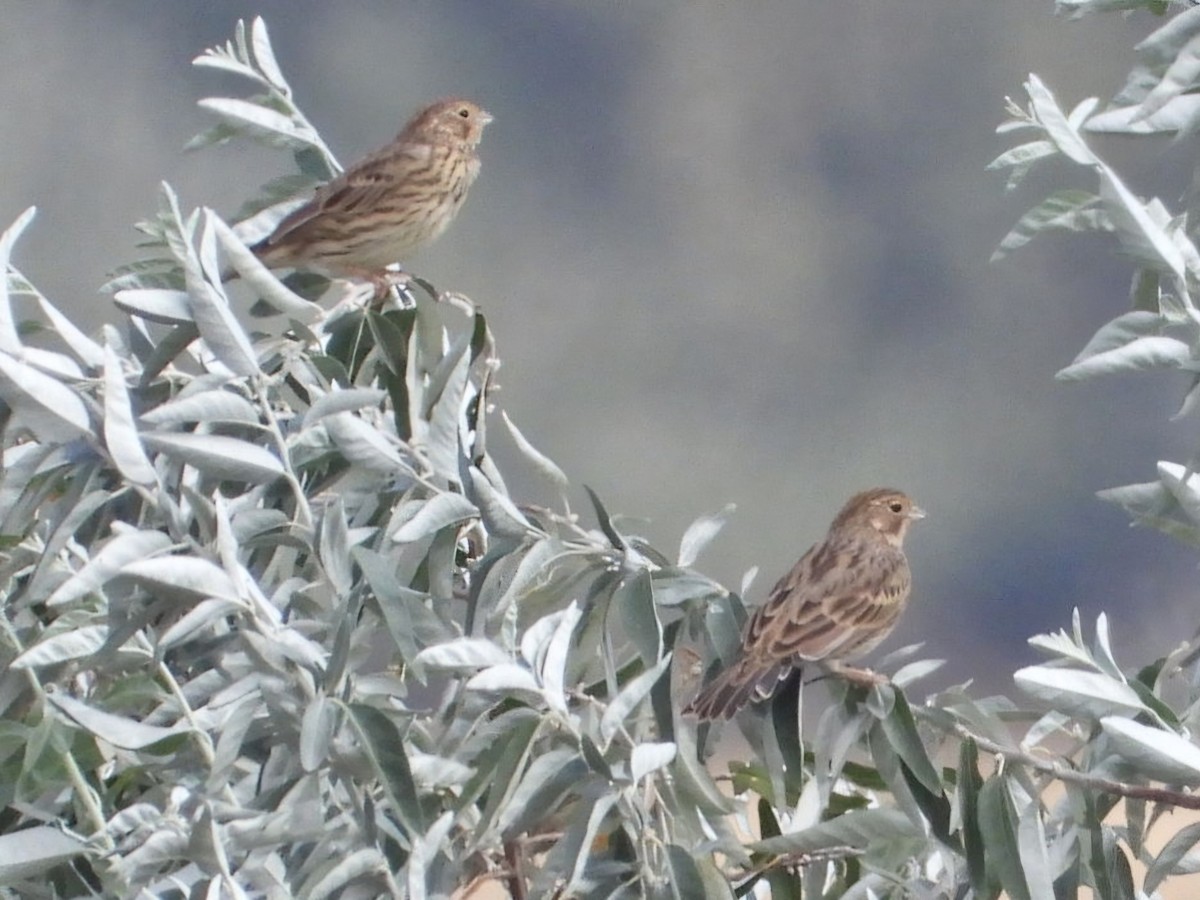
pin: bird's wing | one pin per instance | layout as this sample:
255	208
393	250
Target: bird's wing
358	188
839	600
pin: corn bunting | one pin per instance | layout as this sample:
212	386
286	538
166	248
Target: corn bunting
838	602
393	202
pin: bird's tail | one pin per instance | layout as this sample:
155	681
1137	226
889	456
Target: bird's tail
732	688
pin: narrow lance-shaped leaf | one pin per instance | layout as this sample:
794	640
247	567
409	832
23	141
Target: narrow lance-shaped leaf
218	455
627	701
50	409
10	341
701	533
120	432
384	747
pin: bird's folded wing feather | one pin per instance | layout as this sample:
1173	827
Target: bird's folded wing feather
362	187
841	598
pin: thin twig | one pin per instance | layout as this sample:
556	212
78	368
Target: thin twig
516	880
1073	776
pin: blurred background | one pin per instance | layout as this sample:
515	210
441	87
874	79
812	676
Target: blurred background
729	256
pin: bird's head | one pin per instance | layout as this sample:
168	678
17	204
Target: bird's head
450	120
885	510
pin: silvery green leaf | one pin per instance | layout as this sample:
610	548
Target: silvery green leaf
108	561
1139	226
1184	487
206	406
503	678
1058	128
156	305
1031	844
49	408
532	571
1121	331
9	339
463	654
88	351
633	604
550	776
119	731
1157	754
361	863
383	746
273	127
554	666
317	727
184	573
262	280
915	671
264	56
218	455
333	547
74	644
1139	355
582	839
673	587
1088	694
348	400
1050	724
1061	644
218	326
536	638
1168	859
1066	210
500	515
363	445
1084	108
435	514
1021	159
199	617
425	848
747	580
650	757
857	829
1103	652
1180	74
120	432
542	463
433	772
632	694
440	439
701	533
26	853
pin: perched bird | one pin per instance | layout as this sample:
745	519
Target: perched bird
838	602
390	204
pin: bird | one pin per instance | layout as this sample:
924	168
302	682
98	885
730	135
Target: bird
391	203
838	602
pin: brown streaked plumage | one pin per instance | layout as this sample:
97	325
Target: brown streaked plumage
838	602
390	204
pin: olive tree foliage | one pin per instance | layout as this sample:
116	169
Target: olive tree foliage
274	625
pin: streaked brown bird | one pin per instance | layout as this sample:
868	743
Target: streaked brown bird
393	202
838	602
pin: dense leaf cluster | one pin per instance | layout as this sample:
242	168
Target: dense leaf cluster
274	625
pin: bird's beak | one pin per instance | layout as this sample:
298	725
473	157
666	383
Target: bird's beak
485	117
916	513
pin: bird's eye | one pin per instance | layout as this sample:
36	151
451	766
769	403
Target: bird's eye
464	112
896	506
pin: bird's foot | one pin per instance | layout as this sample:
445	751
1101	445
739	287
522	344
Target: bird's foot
388	280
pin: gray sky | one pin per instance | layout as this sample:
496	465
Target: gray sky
729	256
